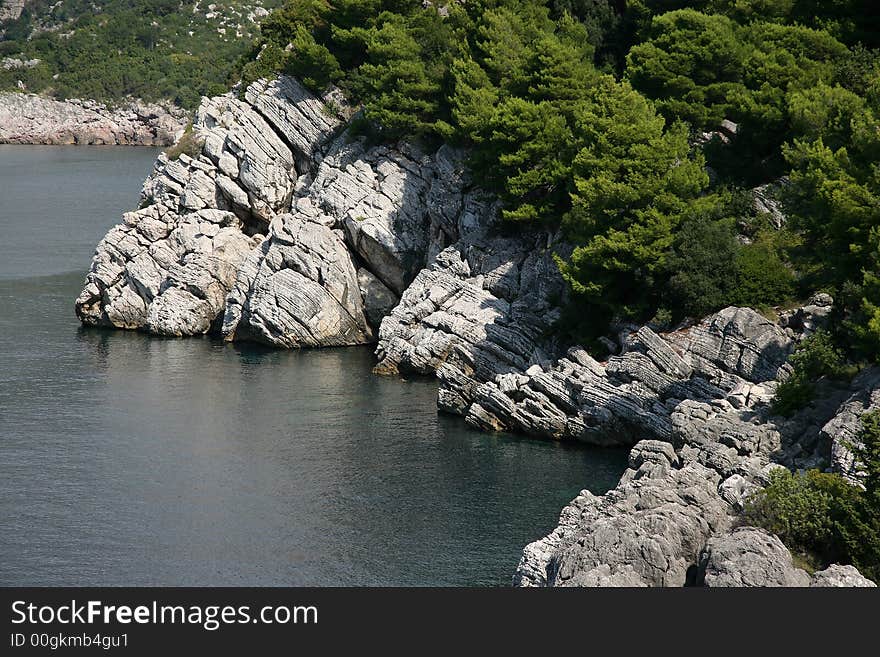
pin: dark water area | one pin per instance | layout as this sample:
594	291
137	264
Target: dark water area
131	460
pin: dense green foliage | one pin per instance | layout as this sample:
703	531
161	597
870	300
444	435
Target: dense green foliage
805	510
152	49
821	516
709	268
583	114
588	115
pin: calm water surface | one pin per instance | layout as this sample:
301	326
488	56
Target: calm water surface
133	460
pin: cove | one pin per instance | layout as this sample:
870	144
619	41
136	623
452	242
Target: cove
128	459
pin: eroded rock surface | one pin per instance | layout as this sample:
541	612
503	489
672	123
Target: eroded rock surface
299	289
284	229
671	519
321	234
749	557
170	265
676	494
842	431
839	576
164	272
485	332
33	119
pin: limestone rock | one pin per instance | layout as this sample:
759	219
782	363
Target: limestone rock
164	272
675	496
844	428
303	121
646	532
33	119
169	266
809	318
379	197
741	342
838	576
11	9
264	161
299	289
749	557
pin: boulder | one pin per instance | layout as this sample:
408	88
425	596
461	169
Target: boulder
840	576
749	557
299	289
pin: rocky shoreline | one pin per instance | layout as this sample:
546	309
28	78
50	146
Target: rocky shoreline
32	119
286	229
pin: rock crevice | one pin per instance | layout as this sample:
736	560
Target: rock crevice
286	229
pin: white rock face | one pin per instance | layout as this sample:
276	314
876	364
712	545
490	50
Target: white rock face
164	272
32	119
481	323
839	576
11	9
652	528
749	557
169	266
300	289
303	123
275	230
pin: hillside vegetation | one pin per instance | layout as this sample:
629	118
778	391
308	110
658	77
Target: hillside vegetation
600	117
110	49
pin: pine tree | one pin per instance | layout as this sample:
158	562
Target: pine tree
633	180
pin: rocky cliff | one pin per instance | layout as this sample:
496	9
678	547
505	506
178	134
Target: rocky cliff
32	119
11	9
284	228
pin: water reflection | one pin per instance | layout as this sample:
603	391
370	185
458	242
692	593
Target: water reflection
126	459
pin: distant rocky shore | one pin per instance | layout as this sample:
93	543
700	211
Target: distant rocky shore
281	227
32	119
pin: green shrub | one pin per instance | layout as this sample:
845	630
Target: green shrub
311	62
822	517
793	394
189	144
816	357
805	511
762	278
703	266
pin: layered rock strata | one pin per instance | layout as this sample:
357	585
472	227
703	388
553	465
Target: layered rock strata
321	234
286	229
672	519
33	119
